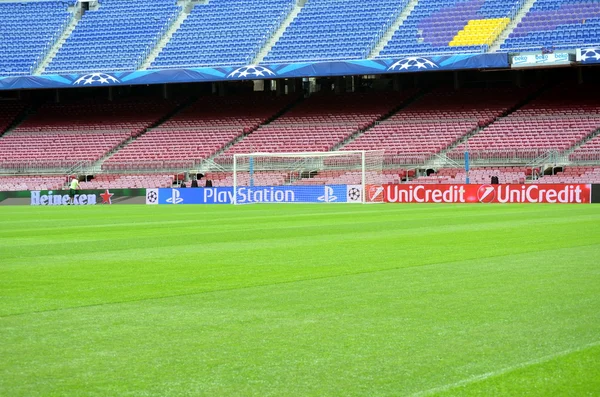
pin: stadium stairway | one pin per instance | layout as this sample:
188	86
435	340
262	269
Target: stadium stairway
77	12
387	36
442	160
11	115
186	9
190	138
516	20
581	147
283	111
279	32
546	126
96	167
412	97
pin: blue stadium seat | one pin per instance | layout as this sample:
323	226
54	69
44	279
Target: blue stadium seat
335	30
27	31
115	37
223	32
433	24
120	34
557	24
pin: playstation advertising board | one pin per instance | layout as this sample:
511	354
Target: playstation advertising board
257	194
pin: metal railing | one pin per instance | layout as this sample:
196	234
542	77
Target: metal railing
531	159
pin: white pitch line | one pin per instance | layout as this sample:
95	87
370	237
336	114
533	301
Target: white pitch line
503	371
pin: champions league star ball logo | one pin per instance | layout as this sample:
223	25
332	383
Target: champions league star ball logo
413	63
251	71
96	79
152	196
354	194
590	54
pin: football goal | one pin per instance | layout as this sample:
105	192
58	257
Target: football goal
332	171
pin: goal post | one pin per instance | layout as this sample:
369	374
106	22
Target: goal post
306	174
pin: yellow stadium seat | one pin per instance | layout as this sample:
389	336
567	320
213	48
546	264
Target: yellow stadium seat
480	32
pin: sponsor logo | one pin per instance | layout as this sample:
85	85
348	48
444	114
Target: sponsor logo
561	56
542	58
375	193
542	194
520	59
265	195
328	196
106	197
175	197
424	194
248	195
213	195
251	71
590	55
576	193
37	198
96	79
354	193
413	63
486	194
151	196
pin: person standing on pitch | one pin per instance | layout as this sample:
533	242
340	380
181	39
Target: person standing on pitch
72	188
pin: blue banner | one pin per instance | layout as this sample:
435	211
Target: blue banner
260	194
588	56
259	72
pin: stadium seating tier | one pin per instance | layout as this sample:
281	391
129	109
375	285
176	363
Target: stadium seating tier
27	32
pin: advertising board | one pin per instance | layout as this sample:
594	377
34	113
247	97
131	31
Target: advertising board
531	60
82	197
257	194
534	193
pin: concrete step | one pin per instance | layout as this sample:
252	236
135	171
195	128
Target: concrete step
387	36
278	33
518	17
186	9
41	67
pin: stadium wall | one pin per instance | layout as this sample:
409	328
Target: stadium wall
403	193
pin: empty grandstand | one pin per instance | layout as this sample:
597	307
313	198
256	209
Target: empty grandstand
435	122
556	24
334	30
451	27
27	32
319	123
111	35
204	128
557	120
60	136
116	36
223	32
422	121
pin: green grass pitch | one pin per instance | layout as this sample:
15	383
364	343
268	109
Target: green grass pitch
300	300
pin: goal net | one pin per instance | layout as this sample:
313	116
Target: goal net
328	177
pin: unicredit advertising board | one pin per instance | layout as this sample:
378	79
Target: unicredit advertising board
439	193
